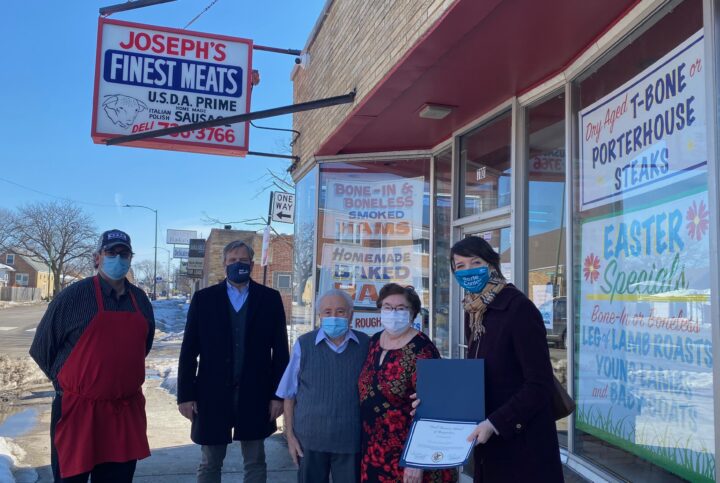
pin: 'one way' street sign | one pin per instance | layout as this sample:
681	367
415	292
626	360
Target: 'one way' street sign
283	207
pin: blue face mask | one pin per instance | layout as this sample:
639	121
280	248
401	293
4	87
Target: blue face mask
473	279
334	327
115	267
238	272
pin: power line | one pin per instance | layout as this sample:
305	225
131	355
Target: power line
64	198
198	15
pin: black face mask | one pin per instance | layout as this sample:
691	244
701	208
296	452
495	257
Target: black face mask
238	272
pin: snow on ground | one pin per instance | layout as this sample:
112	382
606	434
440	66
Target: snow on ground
16	374
164	368
10	453
7	461
19	372
170	317
9	304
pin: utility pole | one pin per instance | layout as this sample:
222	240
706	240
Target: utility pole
155	263
167	280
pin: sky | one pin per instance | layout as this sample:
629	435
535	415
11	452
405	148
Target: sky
46	89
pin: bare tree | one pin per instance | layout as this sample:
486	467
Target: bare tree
56	234
78	268
183	284
7	220
144	272
275	181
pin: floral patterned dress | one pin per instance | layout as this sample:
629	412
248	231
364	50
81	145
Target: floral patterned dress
385	407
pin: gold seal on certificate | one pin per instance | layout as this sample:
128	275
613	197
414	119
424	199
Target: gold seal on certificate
435	444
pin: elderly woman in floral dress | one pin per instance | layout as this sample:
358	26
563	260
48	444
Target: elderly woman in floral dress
386	382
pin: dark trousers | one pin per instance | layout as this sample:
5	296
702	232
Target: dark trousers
316	467
102	473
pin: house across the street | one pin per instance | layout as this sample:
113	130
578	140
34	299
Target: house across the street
24	271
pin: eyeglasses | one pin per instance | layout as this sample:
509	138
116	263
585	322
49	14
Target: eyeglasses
124	254
397	308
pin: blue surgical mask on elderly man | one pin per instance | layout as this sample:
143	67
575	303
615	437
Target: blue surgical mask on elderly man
473	279
238	272
334	327
115	267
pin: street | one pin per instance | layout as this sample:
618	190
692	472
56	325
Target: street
17	328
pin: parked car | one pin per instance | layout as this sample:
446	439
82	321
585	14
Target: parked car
557	335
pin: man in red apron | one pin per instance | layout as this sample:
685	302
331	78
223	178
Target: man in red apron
92	343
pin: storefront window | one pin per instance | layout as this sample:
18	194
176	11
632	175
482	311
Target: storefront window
485	166
441	252
374	228
546	223
643	355
303	287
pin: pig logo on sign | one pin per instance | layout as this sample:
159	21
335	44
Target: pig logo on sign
122	110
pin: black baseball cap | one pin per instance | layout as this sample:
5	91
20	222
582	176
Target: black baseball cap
112	238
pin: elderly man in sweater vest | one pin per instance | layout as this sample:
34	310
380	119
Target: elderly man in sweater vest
322	407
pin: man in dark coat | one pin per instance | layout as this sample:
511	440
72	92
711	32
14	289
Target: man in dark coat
237	328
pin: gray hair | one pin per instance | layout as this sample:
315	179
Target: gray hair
334	292
234	245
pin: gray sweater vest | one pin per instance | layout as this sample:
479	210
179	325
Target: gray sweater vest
327	404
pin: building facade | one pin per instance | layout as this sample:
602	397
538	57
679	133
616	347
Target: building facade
580	140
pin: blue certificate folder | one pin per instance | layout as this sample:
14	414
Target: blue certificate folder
450	390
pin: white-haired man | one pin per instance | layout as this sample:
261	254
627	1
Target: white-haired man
322	408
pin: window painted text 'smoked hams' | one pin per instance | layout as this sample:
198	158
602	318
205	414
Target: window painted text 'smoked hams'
149	78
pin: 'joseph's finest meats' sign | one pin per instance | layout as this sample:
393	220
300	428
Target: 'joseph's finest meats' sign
149	78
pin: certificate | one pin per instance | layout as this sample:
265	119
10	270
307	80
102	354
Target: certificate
434	443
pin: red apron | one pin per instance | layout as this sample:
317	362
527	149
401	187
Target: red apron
103	407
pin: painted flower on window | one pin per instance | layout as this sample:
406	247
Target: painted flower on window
591	268
698	218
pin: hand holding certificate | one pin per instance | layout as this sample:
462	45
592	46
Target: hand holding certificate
452	404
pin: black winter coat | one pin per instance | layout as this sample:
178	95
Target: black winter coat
222	405
518	391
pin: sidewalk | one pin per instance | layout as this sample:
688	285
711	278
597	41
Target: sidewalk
174	457
4	304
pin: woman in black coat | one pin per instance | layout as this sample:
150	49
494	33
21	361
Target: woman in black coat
518	440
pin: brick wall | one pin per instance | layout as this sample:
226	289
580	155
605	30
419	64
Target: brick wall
279	259
357	45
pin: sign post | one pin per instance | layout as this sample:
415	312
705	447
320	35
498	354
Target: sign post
282	209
